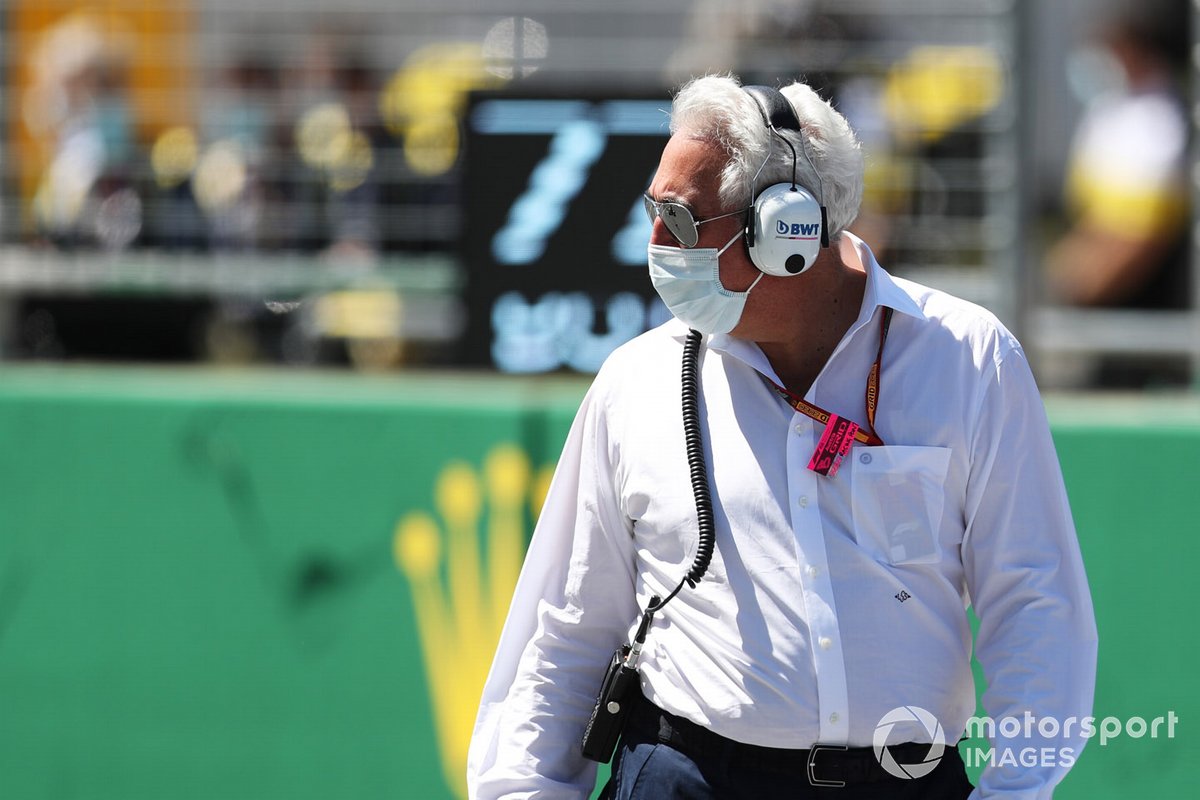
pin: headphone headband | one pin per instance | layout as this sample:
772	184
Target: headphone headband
776	111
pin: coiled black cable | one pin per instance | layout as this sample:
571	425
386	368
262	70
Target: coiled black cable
707	539
620	681
694	442
695	454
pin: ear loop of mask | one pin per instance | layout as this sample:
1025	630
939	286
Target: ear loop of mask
729	244
756	280
721	252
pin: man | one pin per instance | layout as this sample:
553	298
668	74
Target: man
835	594
1130	234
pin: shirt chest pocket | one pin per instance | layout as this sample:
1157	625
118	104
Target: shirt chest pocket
898	498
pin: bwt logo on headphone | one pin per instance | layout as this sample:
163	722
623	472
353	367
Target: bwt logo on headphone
797	230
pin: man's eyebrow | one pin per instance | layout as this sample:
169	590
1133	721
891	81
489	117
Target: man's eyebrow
670	197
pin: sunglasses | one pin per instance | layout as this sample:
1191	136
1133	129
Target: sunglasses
679	220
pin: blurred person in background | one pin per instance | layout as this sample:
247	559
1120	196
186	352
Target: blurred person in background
353	200
333	191
236	175
80	102
835	594
1126	186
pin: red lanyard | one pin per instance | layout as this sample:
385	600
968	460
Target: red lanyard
866	435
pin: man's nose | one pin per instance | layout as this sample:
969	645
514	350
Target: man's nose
660	235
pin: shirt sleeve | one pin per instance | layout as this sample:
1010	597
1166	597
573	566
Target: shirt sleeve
573	605
1037	633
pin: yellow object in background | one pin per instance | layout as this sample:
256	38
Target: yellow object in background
423	101
459	618
143	44
359	314
937	88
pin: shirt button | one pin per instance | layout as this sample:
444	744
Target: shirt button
803	501
834	717
813	571
825	642
799	429
865	458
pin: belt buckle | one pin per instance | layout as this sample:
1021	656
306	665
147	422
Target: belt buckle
813	780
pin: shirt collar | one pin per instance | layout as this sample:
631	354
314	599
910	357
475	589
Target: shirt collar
882	289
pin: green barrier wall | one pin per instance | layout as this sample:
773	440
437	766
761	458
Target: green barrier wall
1133	472
265	586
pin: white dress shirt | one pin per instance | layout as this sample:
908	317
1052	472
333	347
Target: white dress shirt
830	600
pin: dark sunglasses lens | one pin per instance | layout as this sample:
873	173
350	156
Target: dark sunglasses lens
677	218
680	223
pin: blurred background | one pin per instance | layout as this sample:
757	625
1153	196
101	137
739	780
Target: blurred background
408	184
297	300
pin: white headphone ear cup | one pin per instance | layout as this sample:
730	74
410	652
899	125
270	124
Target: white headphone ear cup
787	233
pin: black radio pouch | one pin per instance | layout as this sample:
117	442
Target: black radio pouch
616	697
620	688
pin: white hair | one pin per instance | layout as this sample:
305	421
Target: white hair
829	161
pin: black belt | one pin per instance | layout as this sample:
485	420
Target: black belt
822	765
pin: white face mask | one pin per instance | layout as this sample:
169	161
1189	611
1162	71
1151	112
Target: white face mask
689	282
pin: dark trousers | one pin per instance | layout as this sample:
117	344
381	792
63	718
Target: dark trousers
646	768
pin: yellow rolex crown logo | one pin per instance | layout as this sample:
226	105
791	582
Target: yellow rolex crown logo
461	573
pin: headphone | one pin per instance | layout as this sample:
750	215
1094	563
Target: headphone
786	226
